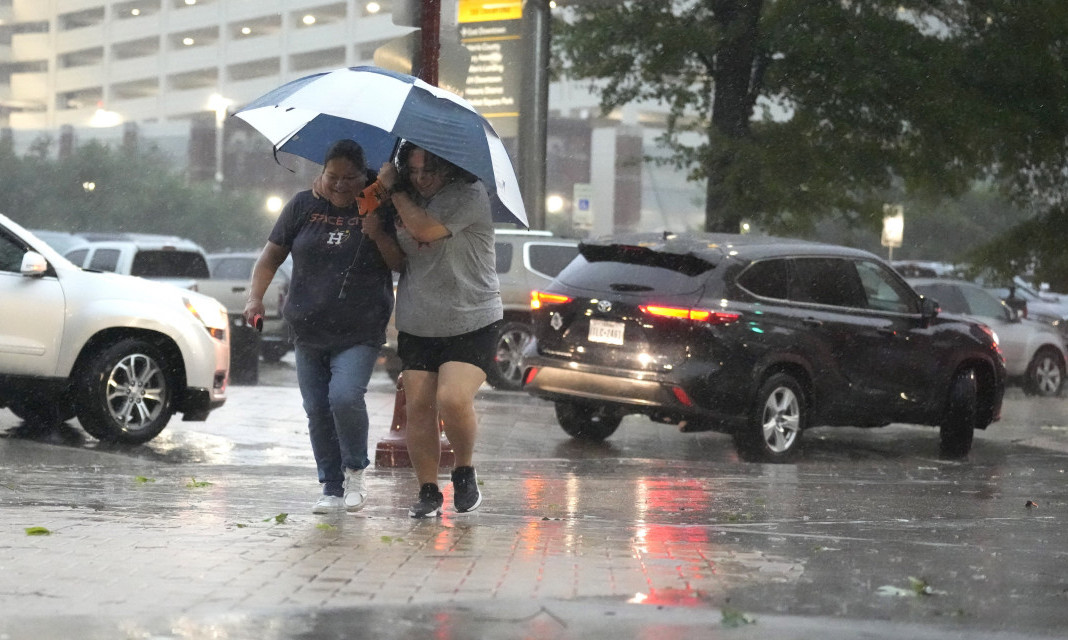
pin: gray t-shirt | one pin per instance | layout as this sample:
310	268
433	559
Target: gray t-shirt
449	287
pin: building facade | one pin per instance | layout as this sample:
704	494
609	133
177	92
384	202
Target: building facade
172	70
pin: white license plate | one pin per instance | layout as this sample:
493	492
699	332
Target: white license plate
607	332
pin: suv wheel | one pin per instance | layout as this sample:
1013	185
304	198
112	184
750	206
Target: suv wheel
586	421
773	430
124	393
1045	374
958	427
507	371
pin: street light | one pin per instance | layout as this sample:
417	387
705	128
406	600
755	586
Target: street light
219	105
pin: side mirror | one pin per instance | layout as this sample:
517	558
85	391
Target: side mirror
34	264
929	308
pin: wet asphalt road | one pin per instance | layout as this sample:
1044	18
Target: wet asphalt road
653	533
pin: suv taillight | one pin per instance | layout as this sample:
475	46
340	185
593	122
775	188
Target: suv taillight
539	299
685	313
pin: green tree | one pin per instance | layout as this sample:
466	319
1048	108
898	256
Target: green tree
98	188
810	109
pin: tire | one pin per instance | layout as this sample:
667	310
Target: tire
124	393
586	421
773	429
273	351
1045	374
958	427
41	412
244	355
506	373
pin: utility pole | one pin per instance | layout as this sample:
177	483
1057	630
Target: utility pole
534	109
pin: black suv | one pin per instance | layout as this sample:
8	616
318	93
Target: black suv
755	336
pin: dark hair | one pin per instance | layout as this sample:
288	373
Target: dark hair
349	150
433	163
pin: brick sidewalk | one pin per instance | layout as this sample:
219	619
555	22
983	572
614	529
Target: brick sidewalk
135	540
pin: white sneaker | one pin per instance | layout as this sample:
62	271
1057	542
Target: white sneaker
328	504
355	492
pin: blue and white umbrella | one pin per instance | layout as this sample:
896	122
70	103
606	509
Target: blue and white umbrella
377	108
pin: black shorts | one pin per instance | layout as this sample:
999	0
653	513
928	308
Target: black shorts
478	347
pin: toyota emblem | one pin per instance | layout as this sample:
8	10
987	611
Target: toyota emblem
604	306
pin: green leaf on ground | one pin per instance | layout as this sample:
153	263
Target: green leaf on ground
197	484
240	525
143	480
278	519
37	531
917	587
391	539
735	618
326	526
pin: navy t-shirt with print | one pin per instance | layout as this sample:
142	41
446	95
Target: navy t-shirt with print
324	240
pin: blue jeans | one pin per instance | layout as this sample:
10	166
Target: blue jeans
333	383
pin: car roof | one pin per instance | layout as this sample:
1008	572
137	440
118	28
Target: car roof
150	242
715	247
919	282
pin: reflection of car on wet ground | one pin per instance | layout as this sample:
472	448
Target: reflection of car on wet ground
1034	351
526	260
122	354
758	337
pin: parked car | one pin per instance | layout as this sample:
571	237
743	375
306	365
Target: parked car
61	241
759	337
122	354
1034	351
526	260
170	259
1033	304
231	275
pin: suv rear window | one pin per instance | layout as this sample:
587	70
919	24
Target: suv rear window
169	264
623	275
233	268
550	259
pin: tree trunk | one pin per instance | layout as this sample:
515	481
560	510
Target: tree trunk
737	78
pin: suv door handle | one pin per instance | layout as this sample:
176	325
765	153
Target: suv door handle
237	289
812	322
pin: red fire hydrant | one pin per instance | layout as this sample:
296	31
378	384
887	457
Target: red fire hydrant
392	451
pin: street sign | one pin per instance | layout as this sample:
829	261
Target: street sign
582	206
893	225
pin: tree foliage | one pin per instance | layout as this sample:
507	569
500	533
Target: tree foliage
810	109
98	188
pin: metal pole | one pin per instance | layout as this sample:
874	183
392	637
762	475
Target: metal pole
430	41
534	109
220	117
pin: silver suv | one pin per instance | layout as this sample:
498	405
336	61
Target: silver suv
526	260
122	354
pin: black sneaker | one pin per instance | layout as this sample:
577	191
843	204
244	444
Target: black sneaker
429	504
465	494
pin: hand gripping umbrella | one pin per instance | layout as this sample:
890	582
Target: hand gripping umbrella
377	108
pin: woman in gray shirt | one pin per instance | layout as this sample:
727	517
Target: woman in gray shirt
448	308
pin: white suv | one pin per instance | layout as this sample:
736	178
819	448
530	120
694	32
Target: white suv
122	354
169	259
